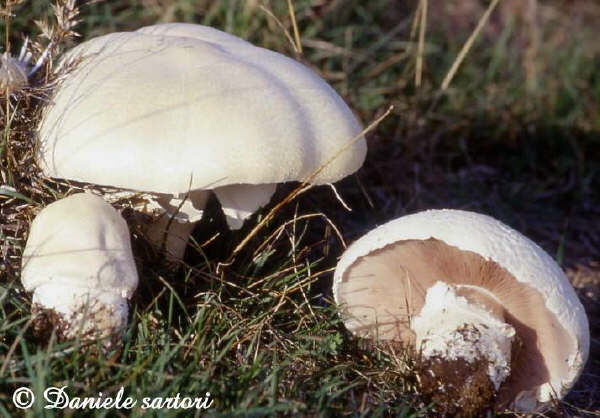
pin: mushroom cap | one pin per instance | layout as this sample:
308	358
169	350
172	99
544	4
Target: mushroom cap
536	280
177	107
80	239
78	261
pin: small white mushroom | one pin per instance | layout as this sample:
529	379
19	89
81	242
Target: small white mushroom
13	75
79	265
15	72
182	110
460	286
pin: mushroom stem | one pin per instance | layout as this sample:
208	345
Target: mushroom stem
170	231
468	327
172	237
240	201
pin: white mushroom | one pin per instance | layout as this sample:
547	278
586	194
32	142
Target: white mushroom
462	286
16	71
79	266
173	109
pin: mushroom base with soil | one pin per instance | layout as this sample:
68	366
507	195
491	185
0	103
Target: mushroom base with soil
464	347
73	312
457	387
451	327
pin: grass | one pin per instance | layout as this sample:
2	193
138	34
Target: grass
515	135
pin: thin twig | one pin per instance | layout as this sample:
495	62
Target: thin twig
467	46
295	26
421	47
415	22
282	26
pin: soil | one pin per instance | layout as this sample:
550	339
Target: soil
48	321
458	388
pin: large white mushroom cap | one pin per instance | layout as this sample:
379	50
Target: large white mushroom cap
383	279
174	108
78	264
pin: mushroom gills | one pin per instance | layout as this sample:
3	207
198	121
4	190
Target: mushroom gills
451	326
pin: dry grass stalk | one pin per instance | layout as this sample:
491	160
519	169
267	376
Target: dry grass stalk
467	46
292	13
286	32
421	45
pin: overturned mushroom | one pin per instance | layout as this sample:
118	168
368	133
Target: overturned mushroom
492	315
180	110
79	266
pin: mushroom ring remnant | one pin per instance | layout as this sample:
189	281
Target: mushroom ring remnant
79	265
468	292
182	110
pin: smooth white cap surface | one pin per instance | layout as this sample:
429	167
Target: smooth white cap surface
178	107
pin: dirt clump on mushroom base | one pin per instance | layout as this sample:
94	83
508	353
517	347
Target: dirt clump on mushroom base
47	322
458	387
